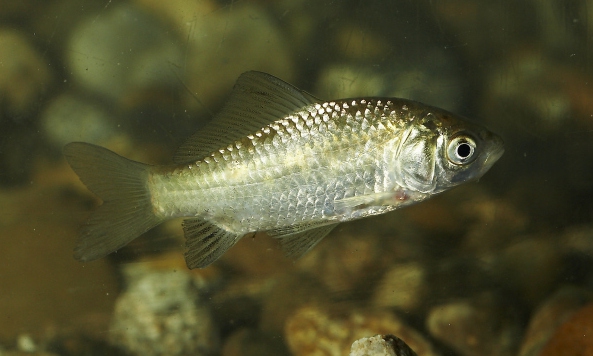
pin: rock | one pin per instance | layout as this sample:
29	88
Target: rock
233	40
310	331
24	76
492	223
411	80
387	345
347	258
69	118
480	327
573	337
545	100
578	240
531	266
122	67
546	319
404	286
355	255
221	43
163	313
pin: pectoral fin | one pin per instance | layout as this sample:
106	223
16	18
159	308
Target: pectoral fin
360	200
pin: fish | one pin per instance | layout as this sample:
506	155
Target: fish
278	160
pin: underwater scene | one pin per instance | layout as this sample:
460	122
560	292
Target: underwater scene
291	153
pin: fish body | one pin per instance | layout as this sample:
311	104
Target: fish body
279	160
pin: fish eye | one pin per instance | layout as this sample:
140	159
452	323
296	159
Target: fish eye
461	150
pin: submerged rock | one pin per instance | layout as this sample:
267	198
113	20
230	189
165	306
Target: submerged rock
163	313
381	345
404	286
574	337
310	331
481	326
546	319
69	118
122	67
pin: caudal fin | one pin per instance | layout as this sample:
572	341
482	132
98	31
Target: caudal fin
126	212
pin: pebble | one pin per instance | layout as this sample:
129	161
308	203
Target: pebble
530	80
24	75
347	259
481	326
381	345
574	337
220	43
163	313
425	82
311	331
530	267
239	38
547	317
355	255
404	286
578	239
69	118
119	67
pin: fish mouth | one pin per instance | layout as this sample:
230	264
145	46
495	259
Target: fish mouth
495	150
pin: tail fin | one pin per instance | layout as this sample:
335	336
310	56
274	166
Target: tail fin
126	212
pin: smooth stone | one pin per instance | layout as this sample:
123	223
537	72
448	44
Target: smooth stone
549	315
482	326
403	286
163	313
312	331
574	337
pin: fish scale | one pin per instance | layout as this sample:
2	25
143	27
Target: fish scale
278	160
305	158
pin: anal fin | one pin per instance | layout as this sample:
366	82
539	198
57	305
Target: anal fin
205	242
353	202
297	244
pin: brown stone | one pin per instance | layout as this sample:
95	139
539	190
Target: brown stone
313	331
574	337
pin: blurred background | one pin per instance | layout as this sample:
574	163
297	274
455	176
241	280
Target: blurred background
503	266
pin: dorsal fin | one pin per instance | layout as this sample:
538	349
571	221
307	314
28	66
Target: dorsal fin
257	100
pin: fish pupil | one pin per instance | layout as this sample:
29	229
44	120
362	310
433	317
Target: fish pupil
464	150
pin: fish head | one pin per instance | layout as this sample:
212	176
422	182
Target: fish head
441	150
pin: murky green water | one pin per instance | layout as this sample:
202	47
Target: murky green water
497	267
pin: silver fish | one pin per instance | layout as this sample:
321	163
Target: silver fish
279	160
